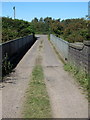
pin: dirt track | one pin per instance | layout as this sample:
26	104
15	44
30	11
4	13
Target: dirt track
66	98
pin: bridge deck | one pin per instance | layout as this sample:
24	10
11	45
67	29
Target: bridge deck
67	100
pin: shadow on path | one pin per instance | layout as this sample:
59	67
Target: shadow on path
16	58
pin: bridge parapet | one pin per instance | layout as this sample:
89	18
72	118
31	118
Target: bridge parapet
15	49
61	45
77	53
15	46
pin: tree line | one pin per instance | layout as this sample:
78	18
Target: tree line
12	29
71	30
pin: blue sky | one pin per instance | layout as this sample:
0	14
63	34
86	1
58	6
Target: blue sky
29	10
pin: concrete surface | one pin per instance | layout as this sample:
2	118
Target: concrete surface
67	100
16	84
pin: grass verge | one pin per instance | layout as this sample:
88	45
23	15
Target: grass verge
81	77
37	103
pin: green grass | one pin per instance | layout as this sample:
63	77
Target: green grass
81	77
49	37
37	103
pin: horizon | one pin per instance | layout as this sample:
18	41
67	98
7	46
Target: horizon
39	18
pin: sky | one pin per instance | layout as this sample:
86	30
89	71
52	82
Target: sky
45	0
28	10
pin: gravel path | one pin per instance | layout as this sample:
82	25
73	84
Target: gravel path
66	98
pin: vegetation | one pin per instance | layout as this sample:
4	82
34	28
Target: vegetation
72	30
37	101
81	77
12	29
6	66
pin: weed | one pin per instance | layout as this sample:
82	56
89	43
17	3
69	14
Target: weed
6	65
48	36
37	101
81	77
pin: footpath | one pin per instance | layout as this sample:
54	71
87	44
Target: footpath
67	100
15	85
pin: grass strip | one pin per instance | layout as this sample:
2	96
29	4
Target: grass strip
81	77
37	103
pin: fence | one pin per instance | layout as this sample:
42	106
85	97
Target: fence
77	54
61	45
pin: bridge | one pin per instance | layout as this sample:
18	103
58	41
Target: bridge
67	100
